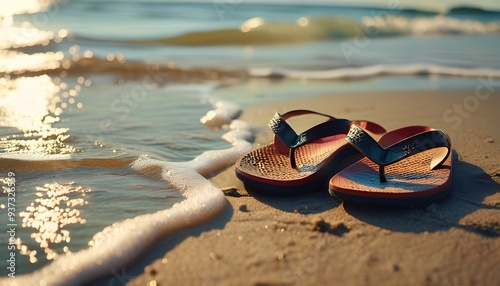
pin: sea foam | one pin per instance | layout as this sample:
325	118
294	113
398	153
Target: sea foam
122	242
376	70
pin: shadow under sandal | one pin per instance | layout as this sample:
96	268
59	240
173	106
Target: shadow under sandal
300	163
407	166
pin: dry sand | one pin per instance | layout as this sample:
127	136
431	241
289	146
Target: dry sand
314	240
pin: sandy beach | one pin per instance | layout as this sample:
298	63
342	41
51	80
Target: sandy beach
315	240
119	137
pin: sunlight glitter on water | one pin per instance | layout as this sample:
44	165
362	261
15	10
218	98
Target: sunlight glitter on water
17	62
32	105
10	8
55	207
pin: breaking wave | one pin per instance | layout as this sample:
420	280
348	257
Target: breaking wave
258	31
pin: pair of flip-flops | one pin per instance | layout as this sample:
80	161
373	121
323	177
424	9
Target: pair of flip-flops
410	165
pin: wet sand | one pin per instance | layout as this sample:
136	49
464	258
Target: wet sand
315	240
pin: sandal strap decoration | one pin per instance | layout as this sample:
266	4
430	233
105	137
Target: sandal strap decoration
399	144
285	133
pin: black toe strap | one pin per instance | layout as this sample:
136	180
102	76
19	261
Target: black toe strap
396	145
285	133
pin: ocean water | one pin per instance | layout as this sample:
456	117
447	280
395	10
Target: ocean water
113	113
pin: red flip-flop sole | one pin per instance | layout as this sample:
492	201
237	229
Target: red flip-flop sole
267	169
409	181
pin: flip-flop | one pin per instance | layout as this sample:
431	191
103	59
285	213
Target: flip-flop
411	165
298	163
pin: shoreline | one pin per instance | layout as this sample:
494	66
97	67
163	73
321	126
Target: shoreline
314	240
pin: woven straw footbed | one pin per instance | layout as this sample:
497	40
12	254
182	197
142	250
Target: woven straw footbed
267	163
409	175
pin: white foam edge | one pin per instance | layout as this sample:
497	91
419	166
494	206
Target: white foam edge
205	88
29	156
437	25
120	243
223	113
375	70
